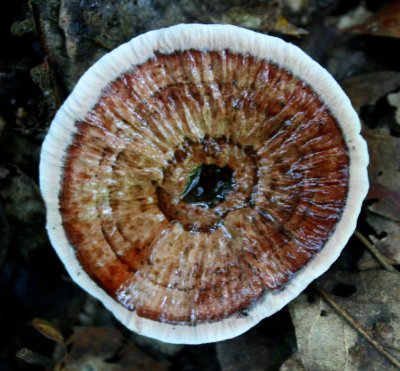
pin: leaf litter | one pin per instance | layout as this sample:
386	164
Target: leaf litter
326	341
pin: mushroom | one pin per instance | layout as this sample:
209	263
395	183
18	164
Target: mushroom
199	177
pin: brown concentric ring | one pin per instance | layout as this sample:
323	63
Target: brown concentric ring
160	266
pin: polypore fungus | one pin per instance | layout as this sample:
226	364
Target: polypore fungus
199	177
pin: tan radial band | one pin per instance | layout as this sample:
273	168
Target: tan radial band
122	198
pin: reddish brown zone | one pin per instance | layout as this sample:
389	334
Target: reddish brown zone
302	184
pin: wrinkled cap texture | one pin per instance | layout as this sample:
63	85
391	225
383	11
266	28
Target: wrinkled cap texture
199	177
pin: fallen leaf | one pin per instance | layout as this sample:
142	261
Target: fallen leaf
368	88
263	17
394	100
386	22
386	239
327	342
384	172
48	329
99	348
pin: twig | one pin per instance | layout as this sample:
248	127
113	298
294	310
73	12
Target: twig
375	252
353	322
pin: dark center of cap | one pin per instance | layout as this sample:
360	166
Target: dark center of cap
205	181
208	185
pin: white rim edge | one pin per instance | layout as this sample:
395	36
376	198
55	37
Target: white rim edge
210	37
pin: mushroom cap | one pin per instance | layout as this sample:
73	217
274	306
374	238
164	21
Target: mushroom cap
117	157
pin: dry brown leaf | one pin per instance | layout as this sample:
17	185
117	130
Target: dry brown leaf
48	329
263	17
386	22
384	172
387	240
368	88
327	342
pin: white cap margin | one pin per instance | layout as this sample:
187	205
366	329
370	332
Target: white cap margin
201	37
